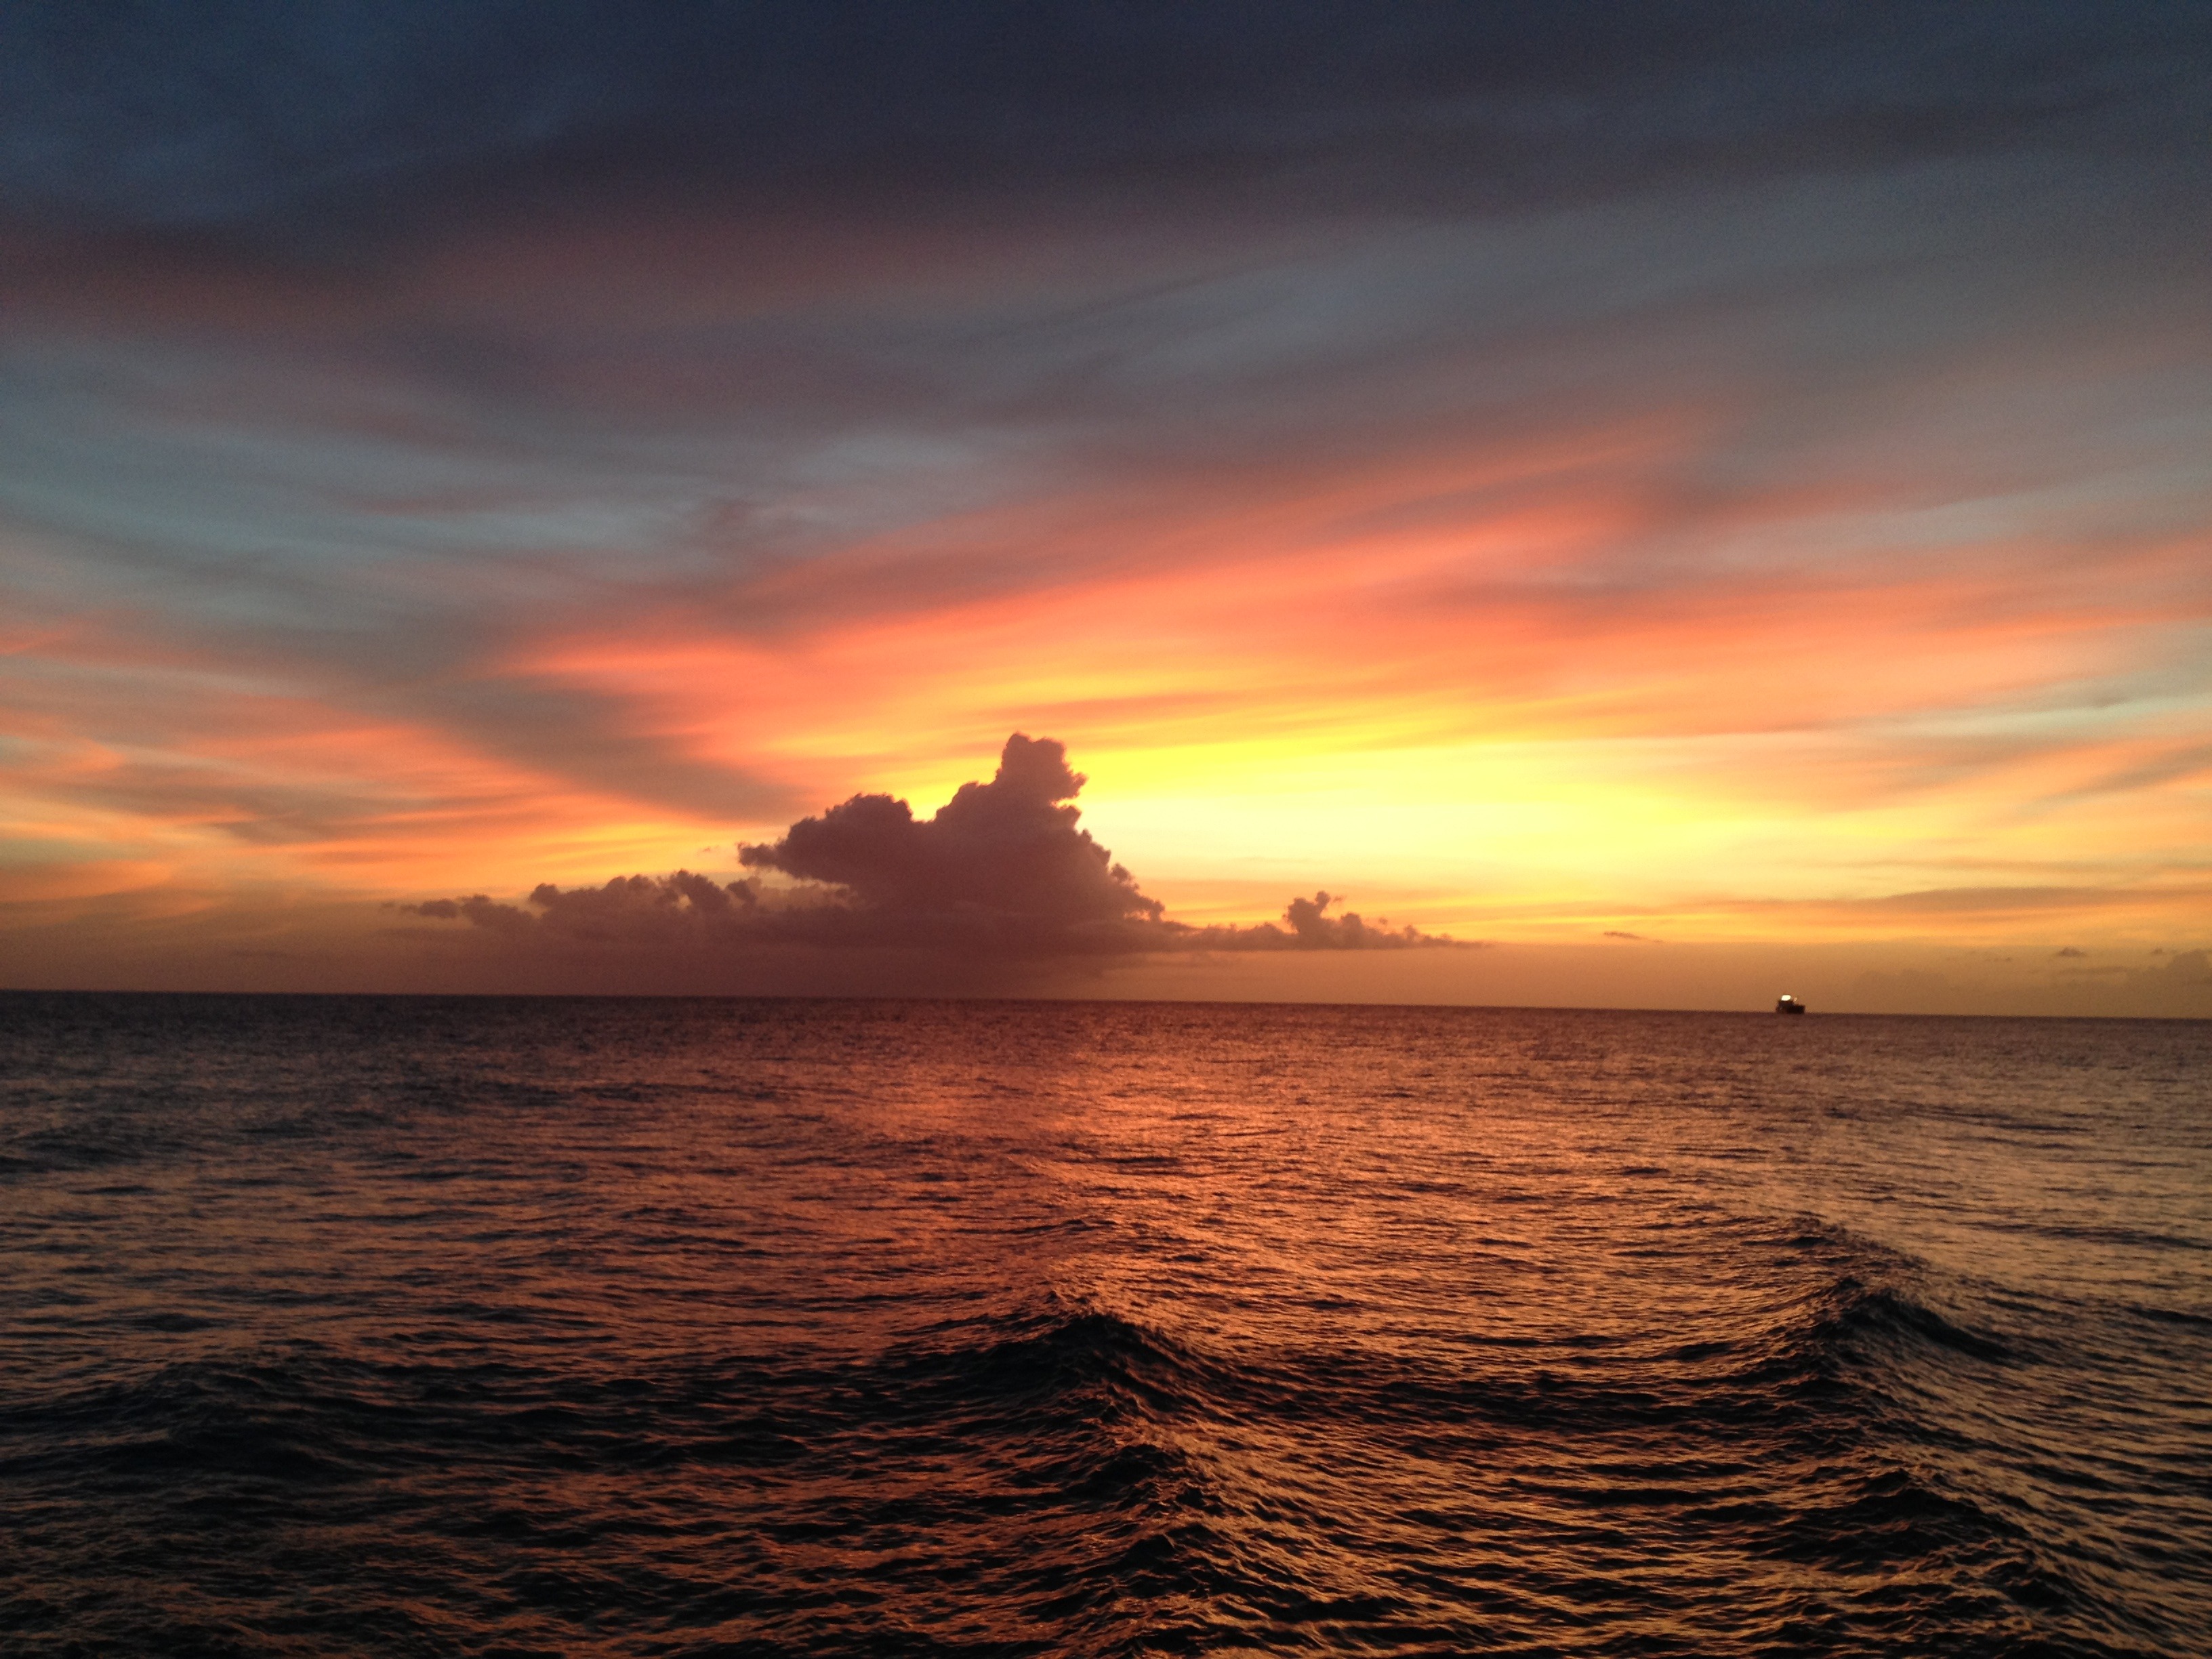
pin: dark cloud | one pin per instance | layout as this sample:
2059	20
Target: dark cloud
1640	938
2070	951
628	910
1001	864
249	110
1001	871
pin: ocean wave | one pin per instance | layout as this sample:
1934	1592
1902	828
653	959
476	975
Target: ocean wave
481	1350
1144	1468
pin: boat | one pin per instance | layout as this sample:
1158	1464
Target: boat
1788	1005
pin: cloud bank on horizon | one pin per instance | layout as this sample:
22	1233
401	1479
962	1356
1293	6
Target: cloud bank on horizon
1001	871
1729	473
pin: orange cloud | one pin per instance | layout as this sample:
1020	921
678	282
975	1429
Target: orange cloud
1626	565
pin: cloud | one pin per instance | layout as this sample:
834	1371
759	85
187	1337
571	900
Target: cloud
2180	988
257	110
428	433
1003	858
1306	928
2188	970
1002	870
629	909
1640	938
2070	951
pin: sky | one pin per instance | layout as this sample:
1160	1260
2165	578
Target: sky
1592	504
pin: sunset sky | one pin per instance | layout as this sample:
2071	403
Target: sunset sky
1688	501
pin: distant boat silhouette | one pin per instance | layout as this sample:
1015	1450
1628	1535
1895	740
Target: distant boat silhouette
1788	1005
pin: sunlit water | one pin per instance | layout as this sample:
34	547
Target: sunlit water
401	1327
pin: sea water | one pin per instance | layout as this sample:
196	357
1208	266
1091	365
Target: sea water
365	1326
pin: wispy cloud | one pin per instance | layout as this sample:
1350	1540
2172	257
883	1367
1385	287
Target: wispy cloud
1548	462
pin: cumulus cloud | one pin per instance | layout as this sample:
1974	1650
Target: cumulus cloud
1000	863
1002	870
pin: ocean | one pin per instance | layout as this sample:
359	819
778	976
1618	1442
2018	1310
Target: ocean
508	1327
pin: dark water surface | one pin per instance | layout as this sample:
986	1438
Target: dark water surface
423	1327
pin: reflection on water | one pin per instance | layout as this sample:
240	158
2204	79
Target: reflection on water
343	1326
